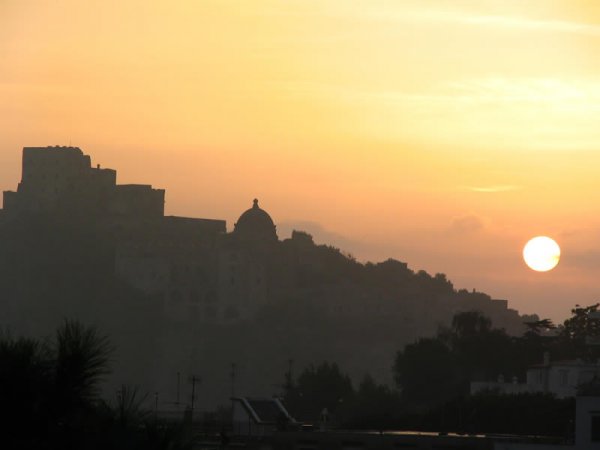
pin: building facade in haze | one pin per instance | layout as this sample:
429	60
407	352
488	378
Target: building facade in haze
201	273
62	179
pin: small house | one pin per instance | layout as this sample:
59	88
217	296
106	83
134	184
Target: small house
260	416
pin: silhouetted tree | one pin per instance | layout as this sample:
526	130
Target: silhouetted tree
373	406
324	386
578	335
469	324
426	372
25	391
539	326
580	325
50	397
439	368
81	358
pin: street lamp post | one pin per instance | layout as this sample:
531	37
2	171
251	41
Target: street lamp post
193	380
178	387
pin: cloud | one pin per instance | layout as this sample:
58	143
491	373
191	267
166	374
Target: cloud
483	20
494	189
372	11
511	112
561	26
363	250
540	90
466	224
320	235
586	260
567	96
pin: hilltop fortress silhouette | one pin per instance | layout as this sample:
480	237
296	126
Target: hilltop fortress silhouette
186	292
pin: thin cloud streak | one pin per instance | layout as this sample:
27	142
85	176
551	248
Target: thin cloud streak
494	109
581	93
577	94
531	24
412	15
494	189
506	22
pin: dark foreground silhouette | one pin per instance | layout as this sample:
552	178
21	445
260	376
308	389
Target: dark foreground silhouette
50	397
433	378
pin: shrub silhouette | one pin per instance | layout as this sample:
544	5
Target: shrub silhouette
49	391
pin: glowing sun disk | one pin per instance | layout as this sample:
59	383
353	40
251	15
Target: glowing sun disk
541	253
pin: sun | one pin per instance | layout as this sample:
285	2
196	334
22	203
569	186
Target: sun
541	253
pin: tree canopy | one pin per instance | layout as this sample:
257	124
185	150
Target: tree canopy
51	398
440	368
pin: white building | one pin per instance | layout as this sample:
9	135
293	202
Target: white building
560	378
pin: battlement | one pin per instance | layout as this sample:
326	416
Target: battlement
138	200
62	180
41	161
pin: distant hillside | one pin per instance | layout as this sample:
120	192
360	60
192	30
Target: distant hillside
182	295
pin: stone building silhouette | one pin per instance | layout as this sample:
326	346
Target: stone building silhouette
180	294
198	270
201	273
62	180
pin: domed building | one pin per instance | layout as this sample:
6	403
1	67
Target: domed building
243	261
255	224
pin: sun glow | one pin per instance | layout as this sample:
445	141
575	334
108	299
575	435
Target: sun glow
343	116
541	253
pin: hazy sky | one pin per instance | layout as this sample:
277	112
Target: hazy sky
444	134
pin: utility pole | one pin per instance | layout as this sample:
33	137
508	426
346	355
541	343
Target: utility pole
289	377
232	374
155	405
178	387
194	379
232	393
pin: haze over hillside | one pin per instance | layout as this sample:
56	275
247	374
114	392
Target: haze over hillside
184	295
446	134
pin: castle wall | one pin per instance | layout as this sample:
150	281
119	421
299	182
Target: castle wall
62	180
173	258
242	284
137	200
200	276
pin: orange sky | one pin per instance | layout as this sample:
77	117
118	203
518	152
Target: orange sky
444	134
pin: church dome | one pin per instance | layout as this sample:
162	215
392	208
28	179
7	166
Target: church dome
255	223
